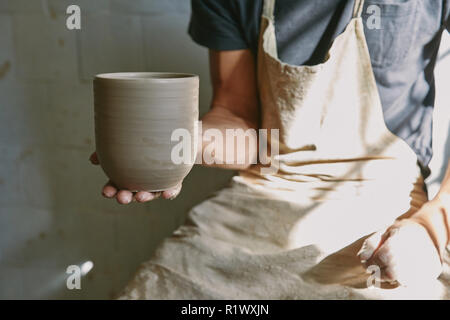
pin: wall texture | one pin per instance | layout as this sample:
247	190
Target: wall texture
51	211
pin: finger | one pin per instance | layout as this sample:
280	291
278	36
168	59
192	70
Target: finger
94	159
370	245
144	196
109	190
172	193
390	273
124	197
383	258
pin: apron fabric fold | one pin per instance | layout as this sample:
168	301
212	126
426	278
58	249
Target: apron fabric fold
294	234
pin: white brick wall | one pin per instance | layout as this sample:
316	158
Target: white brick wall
51	211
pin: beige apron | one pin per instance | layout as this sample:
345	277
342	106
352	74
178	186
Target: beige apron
294	234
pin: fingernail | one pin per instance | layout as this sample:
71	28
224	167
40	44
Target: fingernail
172	197
145	197
365	255
363	248
168	195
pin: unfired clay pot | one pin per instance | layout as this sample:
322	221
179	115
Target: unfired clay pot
135	115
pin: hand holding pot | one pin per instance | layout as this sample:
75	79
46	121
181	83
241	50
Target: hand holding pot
125	196
144	122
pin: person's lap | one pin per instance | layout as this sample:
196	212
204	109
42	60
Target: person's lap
246	243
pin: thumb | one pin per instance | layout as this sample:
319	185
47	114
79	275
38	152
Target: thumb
172	193
370	245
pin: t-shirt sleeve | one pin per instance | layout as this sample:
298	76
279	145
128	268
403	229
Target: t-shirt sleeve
213	24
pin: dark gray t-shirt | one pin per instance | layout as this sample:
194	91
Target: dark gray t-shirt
403	50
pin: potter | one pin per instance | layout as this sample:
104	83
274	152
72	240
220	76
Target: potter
345	177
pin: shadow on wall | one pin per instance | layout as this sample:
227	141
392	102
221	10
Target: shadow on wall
52	213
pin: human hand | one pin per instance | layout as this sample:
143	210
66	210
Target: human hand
125	196
408	251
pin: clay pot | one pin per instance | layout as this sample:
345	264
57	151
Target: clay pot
135	116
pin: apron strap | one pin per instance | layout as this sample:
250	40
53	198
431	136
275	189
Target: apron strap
358	8
268	9
444	14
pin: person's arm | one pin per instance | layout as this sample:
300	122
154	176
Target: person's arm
444	191
391	249
234	106
435	214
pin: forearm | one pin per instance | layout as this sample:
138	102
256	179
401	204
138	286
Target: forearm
436	214
444	192
238	147
443	200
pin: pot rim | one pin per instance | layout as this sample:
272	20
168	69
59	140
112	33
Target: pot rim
147	76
